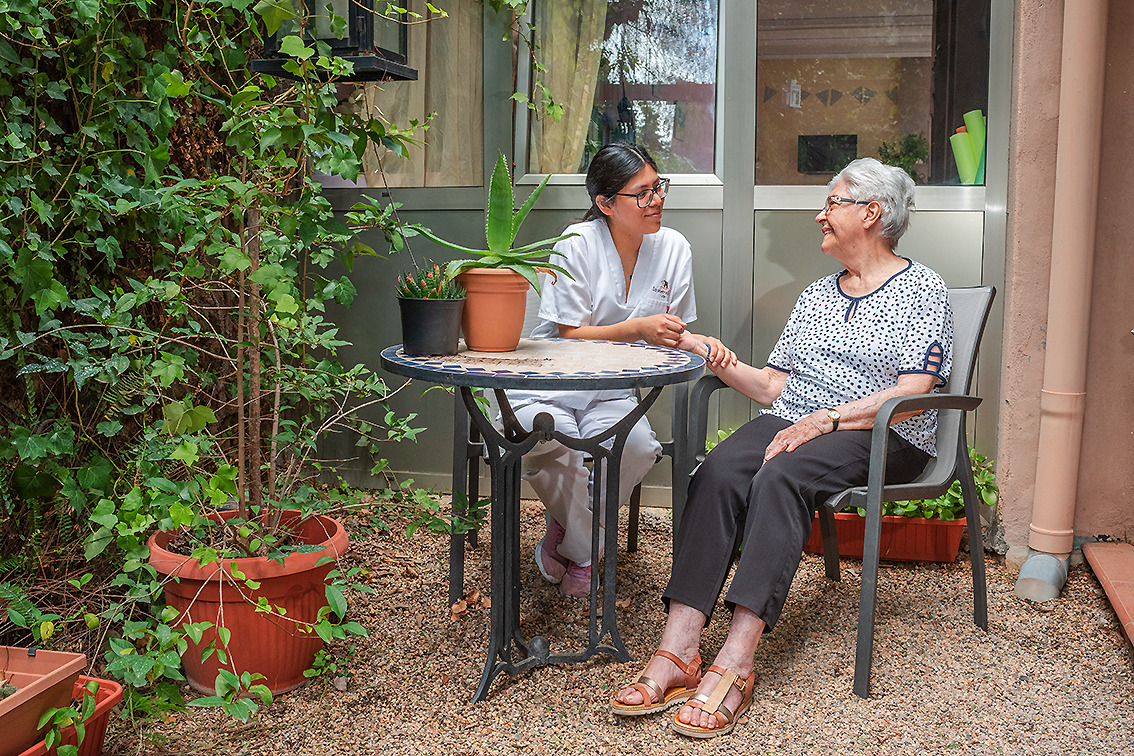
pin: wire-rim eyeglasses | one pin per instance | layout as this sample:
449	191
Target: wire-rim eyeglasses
833	202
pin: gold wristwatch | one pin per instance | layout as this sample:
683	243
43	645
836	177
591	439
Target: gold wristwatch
834	416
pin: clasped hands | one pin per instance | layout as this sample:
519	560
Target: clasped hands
670	331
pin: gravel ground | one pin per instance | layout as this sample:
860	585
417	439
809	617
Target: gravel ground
1046	679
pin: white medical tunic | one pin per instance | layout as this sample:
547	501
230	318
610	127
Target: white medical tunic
662	282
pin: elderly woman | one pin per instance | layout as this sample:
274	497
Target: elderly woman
880	328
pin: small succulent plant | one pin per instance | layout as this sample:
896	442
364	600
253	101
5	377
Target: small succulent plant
428	283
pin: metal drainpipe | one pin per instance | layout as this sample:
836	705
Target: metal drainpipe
1069	300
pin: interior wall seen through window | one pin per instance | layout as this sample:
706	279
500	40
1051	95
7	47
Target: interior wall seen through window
448	54
893	79
641	71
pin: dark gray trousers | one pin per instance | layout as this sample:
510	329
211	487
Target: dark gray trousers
736	498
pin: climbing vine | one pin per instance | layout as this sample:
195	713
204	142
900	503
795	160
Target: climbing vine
166	264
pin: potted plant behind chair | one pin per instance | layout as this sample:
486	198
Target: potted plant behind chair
923	530
496	280
431	304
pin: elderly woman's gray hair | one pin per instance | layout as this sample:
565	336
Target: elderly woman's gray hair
889	186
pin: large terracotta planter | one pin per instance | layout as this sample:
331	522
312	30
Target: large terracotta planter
280	648
904	539
44	680
495	303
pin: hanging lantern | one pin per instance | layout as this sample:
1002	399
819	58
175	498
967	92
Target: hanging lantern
373	42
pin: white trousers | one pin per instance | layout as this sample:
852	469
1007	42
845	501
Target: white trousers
559	477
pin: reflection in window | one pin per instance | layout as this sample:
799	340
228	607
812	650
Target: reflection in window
866	78
637	71
447	53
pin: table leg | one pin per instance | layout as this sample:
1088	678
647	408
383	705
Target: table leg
460	468
505	454
611	459
504	457
467	447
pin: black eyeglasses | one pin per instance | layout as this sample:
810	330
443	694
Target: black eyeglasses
833	202
646	196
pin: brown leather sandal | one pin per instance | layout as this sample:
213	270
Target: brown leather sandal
714	704
653	697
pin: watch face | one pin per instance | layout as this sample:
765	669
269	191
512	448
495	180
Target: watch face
833	414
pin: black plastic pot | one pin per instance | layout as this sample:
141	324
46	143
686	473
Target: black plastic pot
431	326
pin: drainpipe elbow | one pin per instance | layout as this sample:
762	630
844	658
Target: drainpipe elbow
1042	576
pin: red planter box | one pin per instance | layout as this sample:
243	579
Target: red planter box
109	693
904	539
44	679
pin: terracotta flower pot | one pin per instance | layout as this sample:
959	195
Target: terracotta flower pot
44	680
904	539
495	301
280	648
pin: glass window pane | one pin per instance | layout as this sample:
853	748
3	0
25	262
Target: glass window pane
448	55
639	71
891	79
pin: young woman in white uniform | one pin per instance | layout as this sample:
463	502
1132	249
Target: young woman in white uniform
632	281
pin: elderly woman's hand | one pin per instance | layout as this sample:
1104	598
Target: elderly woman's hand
719	356
712	349
795	435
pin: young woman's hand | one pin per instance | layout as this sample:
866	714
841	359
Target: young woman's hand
661	330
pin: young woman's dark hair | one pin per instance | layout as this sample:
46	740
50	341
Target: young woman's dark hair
611	168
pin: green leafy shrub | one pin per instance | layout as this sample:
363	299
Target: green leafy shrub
950	506
907	153
167	263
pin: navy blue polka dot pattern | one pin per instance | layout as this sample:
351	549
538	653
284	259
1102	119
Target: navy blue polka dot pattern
837	348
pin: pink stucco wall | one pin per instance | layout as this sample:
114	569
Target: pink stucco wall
1106	470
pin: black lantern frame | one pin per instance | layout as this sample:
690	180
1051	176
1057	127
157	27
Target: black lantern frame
372	60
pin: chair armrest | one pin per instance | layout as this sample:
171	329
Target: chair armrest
675	447
879	440
880	435
699	415
921	402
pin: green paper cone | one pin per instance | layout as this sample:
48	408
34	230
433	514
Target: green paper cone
963	154
975	123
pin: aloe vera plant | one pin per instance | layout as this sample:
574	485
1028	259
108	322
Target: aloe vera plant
501	224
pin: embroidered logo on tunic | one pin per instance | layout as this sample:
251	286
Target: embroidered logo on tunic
662	288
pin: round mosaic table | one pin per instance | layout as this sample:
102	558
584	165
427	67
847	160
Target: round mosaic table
548	365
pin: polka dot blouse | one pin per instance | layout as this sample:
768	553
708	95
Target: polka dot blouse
837	348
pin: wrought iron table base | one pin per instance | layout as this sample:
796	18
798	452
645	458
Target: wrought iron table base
505	453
